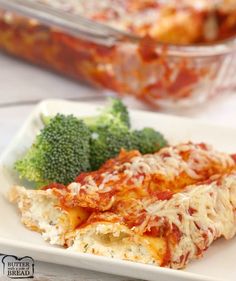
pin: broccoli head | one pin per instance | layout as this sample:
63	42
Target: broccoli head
147	140
106	143
111	132
60	152
117	108
115	113
68	146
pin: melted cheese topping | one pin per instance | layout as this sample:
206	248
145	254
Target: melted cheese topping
172	168
171	161
165	208
201	213
171	21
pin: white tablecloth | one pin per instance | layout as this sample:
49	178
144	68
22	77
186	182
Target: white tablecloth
22	85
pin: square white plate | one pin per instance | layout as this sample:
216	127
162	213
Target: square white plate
218	262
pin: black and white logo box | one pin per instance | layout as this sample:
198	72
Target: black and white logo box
18	268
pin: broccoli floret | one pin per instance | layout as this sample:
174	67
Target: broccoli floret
147	140
117	108
111	132
60	152
106	143
115	113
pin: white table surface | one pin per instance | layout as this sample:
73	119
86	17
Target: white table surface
22	85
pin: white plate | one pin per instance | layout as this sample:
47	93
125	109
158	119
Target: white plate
218	262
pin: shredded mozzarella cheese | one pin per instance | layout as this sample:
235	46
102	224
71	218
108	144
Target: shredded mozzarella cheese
214	216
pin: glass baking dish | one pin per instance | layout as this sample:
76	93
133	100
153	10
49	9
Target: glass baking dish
161	75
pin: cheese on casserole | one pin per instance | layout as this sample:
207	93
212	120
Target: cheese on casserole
165	208
169	21
186	225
